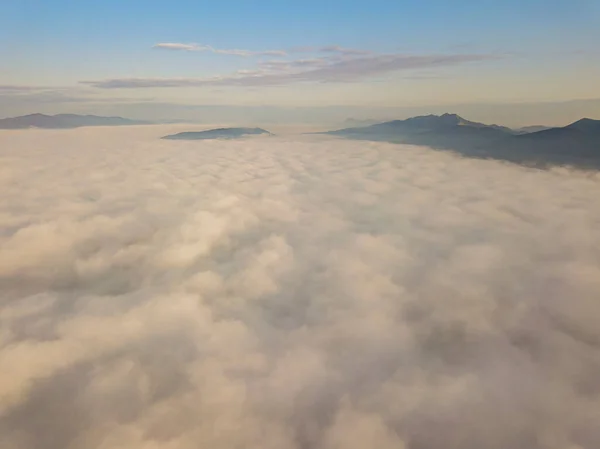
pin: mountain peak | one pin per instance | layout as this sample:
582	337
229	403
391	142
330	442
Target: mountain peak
452	119
444	120
585	124
453	116
445	124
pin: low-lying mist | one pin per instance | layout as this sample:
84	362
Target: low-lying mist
292	293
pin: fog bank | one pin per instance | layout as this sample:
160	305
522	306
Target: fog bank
292	293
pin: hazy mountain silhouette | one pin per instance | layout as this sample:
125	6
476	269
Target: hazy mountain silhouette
577	144
353	122
442	123
219	133
531	129
587	125
446	131
578	140
64	121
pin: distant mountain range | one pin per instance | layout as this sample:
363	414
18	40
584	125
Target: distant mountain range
577	144
531	129
219	133
62	121
353	122
356	123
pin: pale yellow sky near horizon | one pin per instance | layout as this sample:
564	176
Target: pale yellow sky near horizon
462	91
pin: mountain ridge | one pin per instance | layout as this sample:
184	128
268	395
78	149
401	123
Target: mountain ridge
216	133
577	143
64	121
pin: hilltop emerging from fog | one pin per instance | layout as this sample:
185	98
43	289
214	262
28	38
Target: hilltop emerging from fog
576	144
219	133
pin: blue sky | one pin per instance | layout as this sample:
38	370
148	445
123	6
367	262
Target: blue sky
366	54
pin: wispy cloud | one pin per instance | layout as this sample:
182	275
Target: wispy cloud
344	51
193	47
331	49
288	66
19	89
207	48
319	70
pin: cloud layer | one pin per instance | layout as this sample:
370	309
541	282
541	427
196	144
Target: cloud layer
292	293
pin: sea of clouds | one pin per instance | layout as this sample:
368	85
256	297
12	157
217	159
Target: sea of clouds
292	293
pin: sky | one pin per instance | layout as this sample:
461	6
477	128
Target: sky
292	61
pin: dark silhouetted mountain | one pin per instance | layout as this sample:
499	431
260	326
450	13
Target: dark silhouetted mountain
577	144
579	140
220	133
447	123
586	125
448	130
64	121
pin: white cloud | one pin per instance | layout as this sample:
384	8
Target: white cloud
292	292
179	46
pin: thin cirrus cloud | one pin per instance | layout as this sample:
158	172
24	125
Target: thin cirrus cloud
343	50
193	47
335	68
331	49
208	48
18	89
